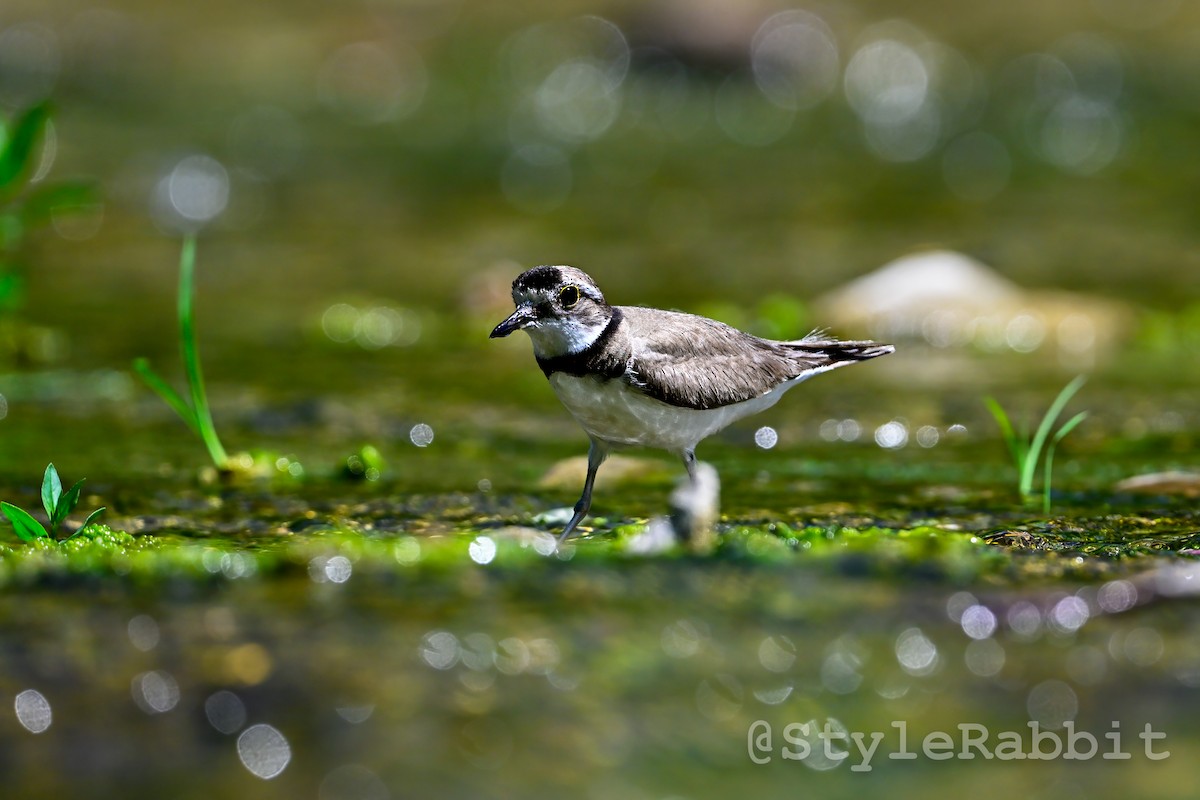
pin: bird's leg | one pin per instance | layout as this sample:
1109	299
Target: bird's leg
689	463
597	452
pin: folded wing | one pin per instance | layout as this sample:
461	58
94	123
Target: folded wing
699	363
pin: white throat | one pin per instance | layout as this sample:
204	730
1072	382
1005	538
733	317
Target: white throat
560	337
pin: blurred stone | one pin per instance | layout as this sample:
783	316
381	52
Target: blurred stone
658	537
554	517
1171	482
705	33
923	283
1179	579
695	508
948	300
617	470
541	541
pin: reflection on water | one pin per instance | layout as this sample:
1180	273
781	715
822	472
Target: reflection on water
369	180
33	711
264	751
463	683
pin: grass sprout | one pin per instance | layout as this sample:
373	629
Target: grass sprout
1027	451
194	411
58	505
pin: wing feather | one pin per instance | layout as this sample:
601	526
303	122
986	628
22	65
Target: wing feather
696	362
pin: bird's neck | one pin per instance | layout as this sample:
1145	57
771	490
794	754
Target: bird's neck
573	336
606	356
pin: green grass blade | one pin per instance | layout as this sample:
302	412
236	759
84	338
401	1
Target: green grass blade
90	519
163	389
1048	470
26	527
1006	429
191	355
1001	417
1017	445
1069	426
1043	431
17	153
69	500
51	491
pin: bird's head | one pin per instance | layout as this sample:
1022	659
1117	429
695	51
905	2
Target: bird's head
560	308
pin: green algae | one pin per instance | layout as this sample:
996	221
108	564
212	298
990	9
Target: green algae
382	541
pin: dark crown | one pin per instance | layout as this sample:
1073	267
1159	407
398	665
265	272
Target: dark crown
538	279
547	279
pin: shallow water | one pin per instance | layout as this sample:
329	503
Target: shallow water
398	663
418	635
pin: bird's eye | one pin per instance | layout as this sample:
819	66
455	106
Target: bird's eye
568	296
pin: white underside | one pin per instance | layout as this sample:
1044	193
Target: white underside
618	415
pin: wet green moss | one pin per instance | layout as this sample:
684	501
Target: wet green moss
448	534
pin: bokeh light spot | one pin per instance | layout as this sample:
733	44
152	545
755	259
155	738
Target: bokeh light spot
33	711
225	711
766	437
263	751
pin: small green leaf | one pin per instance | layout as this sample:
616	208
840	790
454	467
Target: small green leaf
26	527
17	153
67	504
51	490
90	519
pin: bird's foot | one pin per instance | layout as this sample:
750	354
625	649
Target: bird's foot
581	510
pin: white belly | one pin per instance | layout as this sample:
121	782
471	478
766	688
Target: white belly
614	413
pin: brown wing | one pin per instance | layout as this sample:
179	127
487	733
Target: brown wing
696	362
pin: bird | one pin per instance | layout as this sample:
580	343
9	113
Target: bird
635	376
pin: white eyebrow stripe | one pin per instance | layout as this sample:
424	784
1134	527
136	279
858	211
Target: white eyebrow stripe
527	297
589	292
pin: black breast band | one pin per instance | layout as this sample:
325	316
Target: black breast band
596	359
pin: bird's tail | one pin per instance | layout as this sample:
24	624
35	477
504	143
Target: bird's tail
842	351
819	353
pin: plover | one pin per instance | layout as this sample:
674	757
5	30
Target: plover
635	376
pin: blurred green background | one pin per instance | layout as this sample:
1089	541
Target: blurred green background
679	151
367	178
